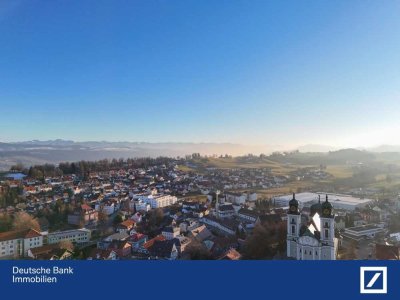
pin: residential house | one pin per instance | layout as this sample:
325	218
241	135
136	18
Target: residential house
164	250
225	226
15	244
50	252
126	226
121	248
144	249
248	215
170	232
200	233
116	237
100	254
137	240
157	201
85	215
225	211
231	254
236	198
137	217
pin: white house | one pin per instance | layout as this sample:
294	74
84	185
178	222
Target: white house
236	198
157	201
140	205
170	232
17	243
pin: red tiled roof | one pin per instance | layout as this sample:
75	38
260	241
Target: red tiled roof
127	223
32	233
18	234
150	243
232	254
86	207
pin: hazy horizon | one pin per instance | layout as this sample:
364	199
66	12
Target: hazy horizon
270	147
250	73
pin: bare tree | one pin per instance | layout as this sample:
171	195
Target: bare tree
66	244
23	220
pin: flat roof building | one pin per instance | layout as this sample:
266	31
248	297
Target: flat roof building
338	201
78	236
360	232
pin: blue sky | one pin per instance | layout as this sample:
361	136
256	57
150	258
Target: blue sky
257	72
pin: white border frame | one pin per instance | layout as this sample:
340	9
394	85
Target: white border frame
383	290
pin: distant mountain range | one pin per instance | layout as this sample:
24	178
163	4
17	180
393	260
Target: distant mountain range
54	151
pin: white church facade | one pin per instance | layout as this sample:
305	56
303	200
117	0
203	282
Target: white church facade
315	240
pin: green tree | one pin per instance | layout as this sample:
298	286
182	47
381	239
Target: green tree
5	222
258	245
117	219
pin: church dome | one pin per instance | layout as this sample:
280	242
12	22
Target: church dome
326	207
317	207
294	202
294	205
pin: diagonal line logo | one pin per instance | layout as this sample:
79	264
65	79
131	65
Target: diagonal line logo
378	282
373	280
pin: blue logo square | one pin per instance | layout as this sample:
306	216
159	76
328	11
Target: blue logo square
373	280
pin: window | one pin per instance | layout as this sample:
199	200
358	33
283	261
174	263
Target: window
326	233
293	229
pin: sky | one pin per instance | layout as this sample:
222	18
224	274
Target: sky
250	72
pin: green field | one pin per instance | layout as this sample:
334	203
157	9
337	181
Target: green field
339	171
239	163
345	175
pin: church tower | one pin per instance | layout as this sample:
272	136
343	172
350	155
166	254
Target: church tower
217	203
327	227
293	227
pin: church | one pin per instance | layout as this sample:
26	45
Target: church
316	239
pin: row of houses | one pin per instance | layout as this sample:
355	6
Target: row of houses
15	244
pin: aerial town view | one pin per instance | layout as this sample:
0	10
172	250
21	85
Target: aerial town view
342	204
199	130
